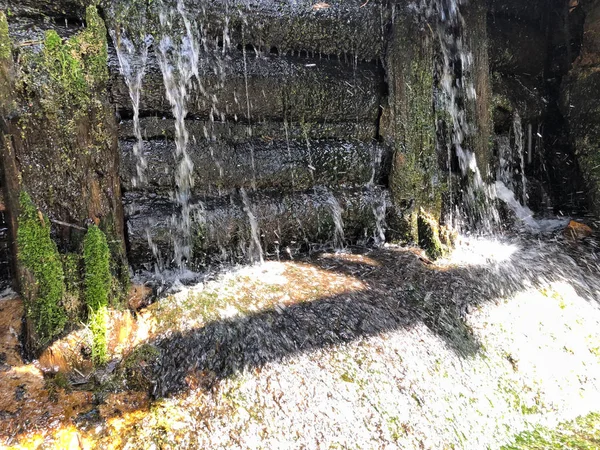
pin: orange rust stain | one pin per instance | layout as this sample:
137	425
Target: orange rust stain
577	230
124	402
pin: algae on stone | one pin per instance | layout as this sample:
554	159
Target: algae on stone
409	124
43	277
96	257
429	236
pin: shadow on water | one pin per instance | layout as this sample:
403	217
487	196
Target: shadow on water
401	290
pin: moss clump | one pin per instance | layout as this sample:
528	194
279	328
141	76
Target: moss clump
429	236
78	66
98	326
135	367
96	258
42	283
5	43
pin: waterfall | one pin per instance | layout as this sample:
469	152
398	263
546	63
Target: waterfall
339	239
132	54
476	205
520	156
511	162
132	62
178	61
379	211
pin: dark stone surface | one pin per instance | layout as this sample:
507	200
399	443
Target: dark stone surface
221	165
37	8
298	89
300	221
338	27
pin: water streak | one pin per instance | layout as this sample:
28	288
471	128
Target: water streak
179	64
255	251
476	208
339	239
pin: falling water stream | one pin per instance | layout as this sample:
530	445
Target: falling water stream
185	57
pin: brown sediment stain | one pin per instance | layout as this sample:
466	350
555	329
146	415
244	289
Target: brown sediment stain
27	403
37	407
138	296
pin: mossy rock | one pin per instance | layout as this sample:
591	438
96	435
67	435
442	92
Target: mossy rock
429	236
42	273
98	280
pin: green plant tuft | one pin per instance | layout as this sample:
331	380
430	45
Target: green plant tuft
5	43
42	283
96	258
97	321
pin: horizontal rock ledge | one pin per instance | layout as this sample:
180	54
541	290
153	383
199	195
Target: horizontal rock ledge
163	127
296	89
261	162
336	27
221	227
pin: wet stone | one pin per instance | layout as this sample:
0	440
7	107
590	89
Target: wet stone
276	87
261	163
288	223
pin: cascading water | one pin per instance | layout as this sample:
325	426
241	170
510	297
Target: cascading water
132	53
255	251
132	61
339	239
179	63
511	162
475	208
520	155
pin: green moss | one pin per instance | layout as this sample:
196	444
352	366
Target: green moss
582	433
43	284
429	236
97	322
416	181
119	267
79	65
96	258
5	43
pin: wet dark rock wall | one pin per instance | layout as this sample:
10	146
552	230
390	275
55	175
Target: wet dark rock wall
304	104
532	46
580	93
291	117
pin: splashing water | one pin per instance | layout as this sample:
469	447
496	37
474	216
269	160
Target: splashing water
376	157
477	207
339	239
379	211
519	150
255	251
511	167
